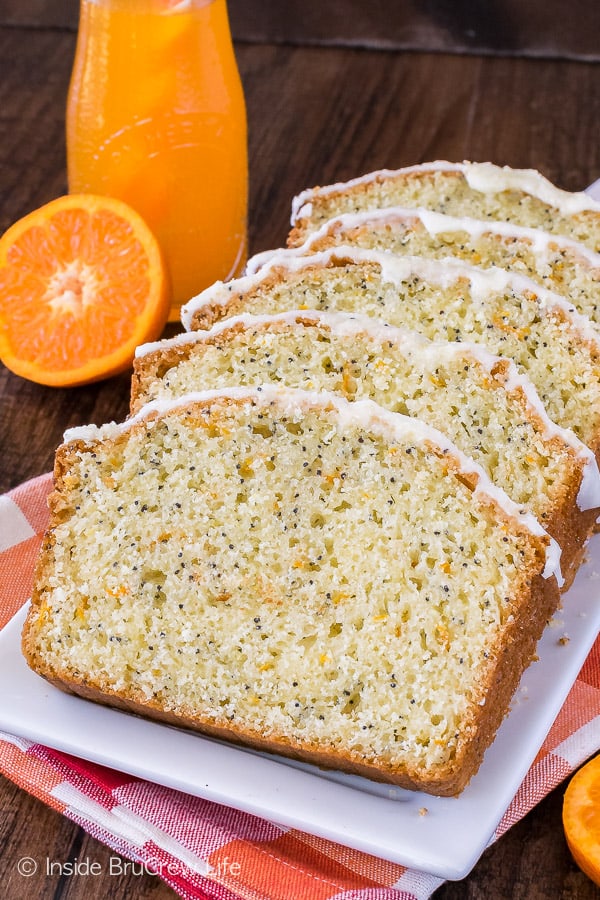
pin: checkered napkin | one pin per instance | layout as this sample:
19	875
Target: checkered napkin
207	851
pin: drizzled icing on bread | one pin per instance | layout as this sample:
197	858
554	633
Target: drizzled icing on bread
484	177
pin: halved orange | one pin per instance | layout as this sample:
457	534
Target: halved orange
581	818
82	283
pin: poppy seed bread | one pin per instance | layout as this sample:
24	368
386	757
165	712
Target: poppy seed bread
322	579
479	401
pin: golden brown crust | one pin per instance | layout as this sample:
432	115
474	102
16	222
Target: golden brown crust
151	366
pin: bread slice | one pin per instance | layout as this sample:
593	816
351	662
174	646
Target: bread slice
479	190
479	401
323	579
510	315
557	263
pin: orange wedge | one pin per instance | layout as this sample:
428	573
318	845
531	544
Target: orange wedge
82	283
581	818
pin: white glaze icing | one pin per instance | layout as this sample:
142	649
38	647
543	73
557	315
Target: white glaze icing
184	337
542	243
484	177
488	178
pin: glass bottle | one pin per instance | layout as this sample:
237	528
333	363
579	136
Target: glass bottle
156	117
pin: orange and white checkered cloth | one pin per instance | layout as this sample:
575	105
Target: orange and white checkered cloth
210	852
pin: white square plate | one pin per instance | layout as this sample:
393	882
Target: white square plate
379	819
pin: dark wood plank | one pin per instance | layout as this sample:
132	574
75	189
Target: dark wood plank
460	26
539	29
35	71
40	13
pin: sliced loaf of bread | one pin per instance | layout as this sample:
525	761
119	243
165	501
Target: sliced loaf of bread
557	263
480	401
479	190
322	579
510	315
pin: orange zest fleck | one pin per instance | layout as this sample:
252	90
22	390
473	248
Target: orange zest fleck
266	667
437	380
348	382
82	283
443	636
499	322
581	818
121	591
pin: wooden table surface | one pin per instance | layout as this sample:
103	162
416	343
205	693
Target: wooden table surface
316	114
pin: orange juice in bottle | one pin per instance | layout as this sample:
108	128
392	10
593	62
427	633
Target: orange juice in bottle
156	117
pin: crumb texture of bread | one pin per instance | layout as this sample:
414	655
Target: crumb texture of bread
480	403
275	570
